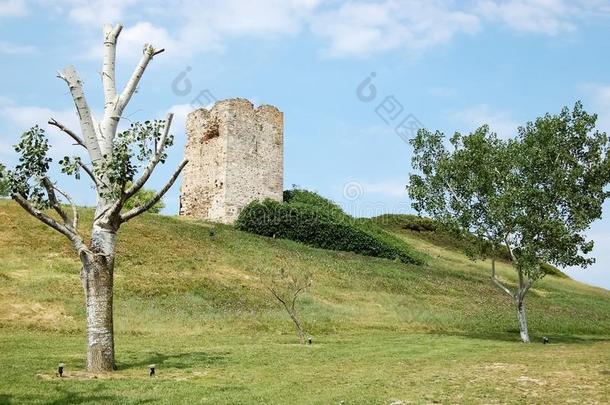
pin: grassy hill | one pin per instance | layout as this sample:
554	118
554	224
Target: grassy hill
188	298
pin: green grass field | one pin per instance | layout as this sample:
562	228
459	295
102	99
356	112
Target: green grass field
191	301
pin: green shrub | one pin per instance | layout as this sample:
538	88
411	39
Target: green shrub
410	222
551	270
141	198
307	197
430	230
310	219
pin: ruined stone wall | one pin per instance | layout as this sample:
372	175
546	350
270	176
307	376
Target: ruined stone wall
235	156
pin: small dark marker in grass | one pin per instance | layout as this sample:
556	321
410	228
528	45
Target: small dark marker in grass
152	370
309	340
545	340
60	369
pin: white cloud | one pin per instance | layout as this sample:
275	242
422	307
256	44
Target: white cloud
27	116
9	48
189	27
97	12
257	18
387	188
13	8
362	28
180	112
541	16
18	119
356	28
498	121
349	28
132	39
549	17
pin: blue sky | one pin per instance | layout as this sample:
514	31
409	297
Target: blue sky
451	65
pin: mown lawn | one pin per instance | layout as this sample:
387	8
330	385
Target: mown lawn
188	297
373	367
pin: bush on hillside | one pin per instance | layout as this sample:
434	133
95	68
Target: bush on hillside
432	231
142	197
551	270
300	196
315	221
410	222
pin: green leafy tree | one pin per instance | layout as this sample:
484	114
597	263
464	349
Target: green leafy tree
141	198
117	163
533	195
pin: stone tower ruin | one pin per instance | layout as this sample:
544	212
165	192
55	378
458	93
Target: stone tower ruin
236	156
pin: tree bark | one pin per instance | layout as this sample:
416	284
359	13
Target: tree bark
97	138
98	281
522	321
299	328
295	318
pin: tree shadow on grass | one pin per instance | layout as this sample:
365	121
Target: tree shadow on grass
179	360
513	336
64	396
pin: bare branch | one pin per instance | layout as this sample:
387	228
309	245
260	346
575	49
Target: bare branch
75	85
75	238
502	287
74	209
496	281
79	141
88	171
138	184
50	187
527	286
143	208
63	128
298	291
510	250
277	296
148	53
108	68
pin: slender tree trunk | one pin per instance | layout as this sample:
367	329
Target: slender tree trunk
97	278
298	327
522	321
297	323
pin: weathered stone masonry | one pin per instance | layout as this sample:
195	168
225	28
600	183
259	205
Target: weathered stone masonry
236	155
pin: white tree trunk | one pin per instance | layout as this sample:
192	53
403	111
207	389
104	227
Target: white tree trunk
518	295
522	321
97	279
97	138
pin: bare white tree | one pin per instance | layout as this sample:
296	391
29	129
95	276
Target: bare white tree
115	161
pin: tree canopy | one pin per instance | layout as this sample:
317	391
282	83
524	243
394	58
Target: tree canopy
535	194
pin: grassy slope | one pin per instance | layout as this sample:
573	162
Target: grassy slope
192	303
